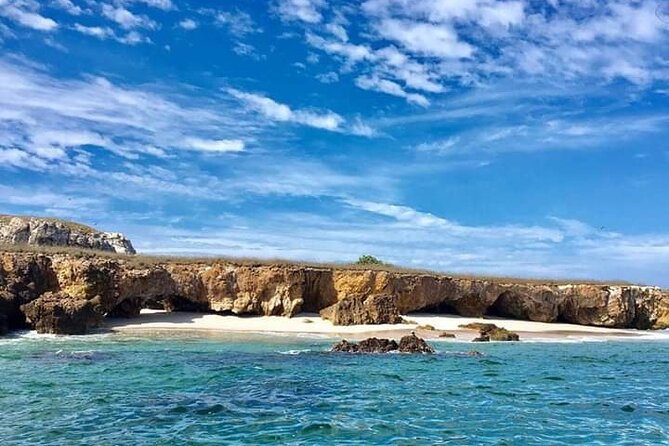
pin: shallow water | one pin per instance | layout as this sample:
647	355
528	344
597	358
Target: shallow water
242	389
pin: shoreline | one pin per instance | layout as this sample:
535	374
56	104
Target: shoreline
312	324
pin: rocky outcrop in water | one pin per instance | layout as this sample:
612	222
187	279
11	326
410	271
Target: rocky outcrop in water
122	286
407	344
491	332
53	232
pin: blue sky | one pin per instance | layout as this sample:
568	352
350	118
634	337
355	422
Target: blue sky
500	137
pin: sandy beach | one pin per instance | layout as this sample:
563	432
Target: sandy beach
156	320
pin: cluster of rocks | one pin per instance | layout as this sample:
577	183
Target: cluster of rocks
408	344
491	332
53	232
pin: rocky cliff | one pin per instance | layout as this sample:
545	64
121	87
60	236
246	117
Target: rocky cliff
54	232
57	293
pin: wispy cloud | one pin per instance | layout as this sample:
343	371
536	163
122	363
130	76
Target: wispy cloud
276	111
93	112
469	42
126	19
301	10
26	13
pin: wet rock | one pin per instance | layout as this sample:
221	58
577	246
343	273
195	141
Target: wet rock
375	345
445	334
346	347
414	344
60	313
369	345
491	332
408	344
377	309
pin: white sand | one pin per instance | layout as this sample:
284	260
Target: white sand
154	320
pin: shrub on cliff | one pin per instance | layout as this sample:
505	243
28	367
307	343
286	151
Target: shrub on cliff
369	260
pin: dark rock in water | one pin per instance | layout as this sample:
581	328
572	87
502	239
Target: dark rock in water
491	332
408	344
414	344
60	313
370	345
375	345
354	310
346	347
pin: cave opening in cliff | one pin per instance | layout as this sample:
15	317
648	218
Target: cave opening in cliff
441	308
499	308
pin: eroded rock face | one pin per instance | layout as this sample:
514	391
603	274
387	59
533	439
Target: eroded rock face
354	310
408	344
60	313
50	232
123	286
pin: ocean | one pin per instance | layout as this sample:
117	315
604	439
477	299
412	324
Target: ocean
194	389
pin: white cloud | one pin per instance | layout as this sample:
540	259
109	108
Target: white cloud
214	146
425	38
68	6
94	112
302	10
126	19
390	87
18	11
471	42
338	31
95	31
165	5
133	38
239	23
328	78
277	111
188	24
440	147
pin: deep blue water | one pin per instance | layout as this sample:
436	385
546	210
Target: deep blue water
173	390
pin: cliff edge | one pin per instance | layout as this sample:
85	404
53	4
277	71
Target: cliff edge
72	292
42	231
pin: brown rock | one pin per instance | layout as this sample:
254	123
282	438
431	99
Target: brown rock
408	344
370	345
491	332
377	309
414	344
60	313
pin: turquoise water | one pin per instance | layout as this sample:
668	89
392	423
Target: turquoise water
173	390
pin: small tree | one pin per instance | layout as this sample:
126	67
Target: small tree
369	260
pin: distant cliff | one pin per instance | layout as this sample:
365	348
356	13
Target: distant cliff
71	293
54	232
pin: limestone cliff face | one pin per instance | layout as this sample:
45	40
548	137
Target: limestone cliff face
64	283
51	232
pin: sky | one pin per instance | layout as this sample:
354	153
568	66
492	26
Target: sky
516	138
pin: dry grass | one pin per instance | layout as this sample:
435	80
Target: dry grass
73	226
149	260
